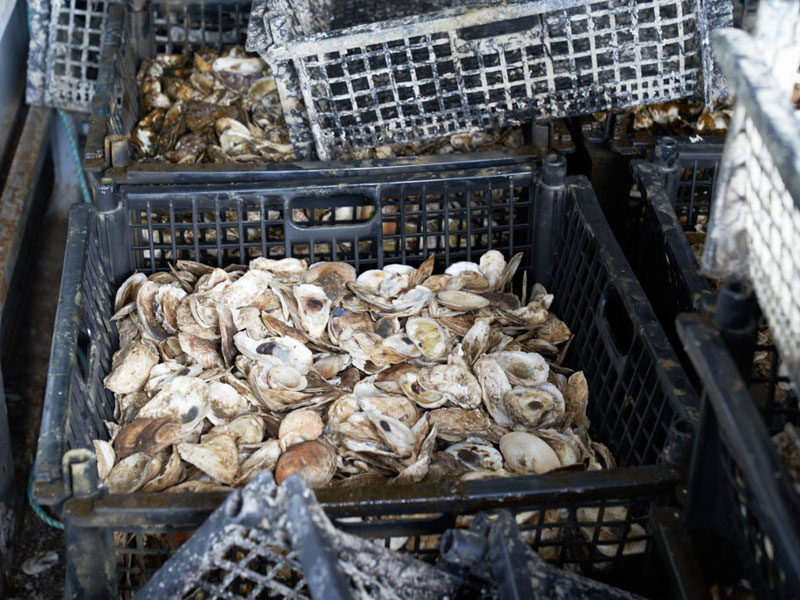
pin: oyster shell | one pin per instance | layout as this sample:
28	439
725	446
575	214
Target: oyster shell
538	406
106	457
455	382
523	368
131	367
217	457
131	473
494	385
265	457
492	265
299	426
527	453
314	307
148	436
315	461
477	456
184	398
460	300
276	351
171	474
457	424
428	337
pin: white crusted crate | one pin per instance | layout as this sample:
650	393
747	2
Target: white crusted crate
754	231
360	73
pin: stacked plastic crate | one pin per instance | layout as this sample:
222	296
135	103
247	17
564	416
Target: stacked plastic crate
355	75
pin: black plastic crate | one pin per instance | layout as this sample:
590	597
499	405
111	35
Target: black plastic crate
641	398
741	506
181	28
676	191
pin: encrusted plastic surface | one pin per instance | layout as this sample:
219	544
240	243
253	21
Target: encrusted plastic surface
755	225
267	540
348	83
66	38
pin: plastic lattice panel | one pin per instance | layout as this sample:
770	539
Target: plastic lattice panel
62	73
251	563
756	223
67	40
450	72
187	26
753	544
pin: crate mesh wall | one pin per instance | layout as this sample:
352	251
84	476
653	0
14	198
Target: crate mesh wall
753	546
72	60
567	534
756	221
697	178
421	79
189	26
63	71
674	284
773	231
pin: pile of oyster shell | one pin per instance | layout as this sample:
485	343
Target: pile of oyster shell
224	107
211	107
393	375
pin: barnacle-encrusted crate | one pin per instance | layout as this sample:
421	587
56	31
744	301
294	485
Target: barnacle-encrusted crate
133	36
351	76
641	401
755	225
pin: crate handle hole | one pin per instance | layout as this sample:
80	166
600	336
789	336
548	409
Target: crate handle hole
333	211
531	25
82	353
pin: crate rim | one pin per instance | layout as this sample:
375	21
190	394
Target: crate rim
137	509
438	21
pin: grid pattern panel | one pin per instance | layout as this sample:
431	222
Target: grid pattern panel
628	410
73	52
90	402
753	546
356	12
773	229
695	185
585	59
248	563
457	219
186	27
593	536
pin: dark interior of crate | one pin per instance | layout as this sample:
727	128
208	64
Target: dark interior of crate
736	524
631	400
661	265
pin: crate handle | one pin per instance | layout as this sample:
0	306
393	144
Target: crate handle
504	28
615	324
368	197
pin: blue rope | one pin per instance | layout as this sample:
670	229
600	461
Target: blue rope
76	156
38	510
